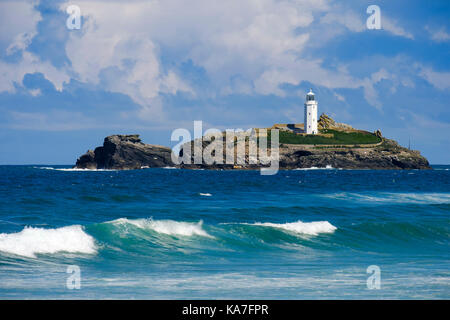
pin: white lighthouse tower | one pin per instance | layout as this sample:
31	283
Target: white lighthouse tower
310	113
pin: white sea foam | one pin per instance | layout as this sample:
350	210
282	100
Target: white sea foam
170	168
83	170
31	241
310	228
205	194
327	167
169	227
391	197
45	168
75	169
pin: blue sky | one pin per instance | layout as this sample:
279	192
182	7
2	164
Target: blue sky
150	67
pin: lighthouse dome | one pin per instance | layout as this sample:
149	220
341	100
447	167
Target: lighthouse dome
310	95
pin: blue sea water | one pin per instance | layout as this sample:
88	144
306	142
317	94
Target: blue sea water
198	234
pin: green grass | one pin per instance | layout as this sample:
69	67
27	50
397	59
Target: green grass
339	138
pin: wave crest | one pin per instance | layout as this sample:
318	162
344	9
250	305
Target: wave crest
309	228
327	167
31	241
169	227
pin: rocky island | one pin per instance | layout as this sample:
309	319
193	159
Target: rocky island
125	152
337	145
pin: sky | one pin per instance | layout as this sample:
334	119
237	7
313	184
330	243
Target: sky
150	67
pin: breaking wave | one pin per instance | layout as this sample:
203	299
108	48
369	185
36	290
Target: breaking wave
164	238
168	227
31	241
308	228
327	167
73	239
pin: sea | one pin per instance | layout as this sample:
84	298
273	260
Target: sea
166	233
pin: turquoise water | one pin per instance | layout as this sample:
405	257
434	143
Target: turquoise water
188	234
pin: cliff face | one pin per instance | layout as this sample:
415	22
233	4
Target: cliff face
125	152
128	152
387	155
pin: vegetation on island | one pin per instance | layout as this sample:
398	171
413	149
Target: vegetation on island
330	137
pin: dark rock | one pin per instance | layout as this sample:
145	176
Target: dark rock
386	155
125	152
87	160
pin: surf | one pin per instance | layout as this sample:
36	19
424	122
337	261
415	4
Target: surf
168	227
307	228
32	241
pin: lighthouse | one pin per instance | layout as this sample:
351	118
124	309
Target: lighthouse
310	113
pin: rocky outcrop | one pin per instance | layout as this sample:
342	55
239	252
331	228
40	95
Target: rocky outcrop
125	152
326	122
378	134
129	152
388	155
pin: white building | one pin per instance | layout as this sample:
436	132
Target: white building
310	113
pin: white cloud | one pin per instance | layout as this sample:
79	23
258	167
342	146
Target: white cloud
226	38
249	47
380	75
119	47
370	93
391	25
294	71
18	20
117	41
18	23
35	92
440	35
339	97
355	22
13	73
440	80
20	42
347	18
